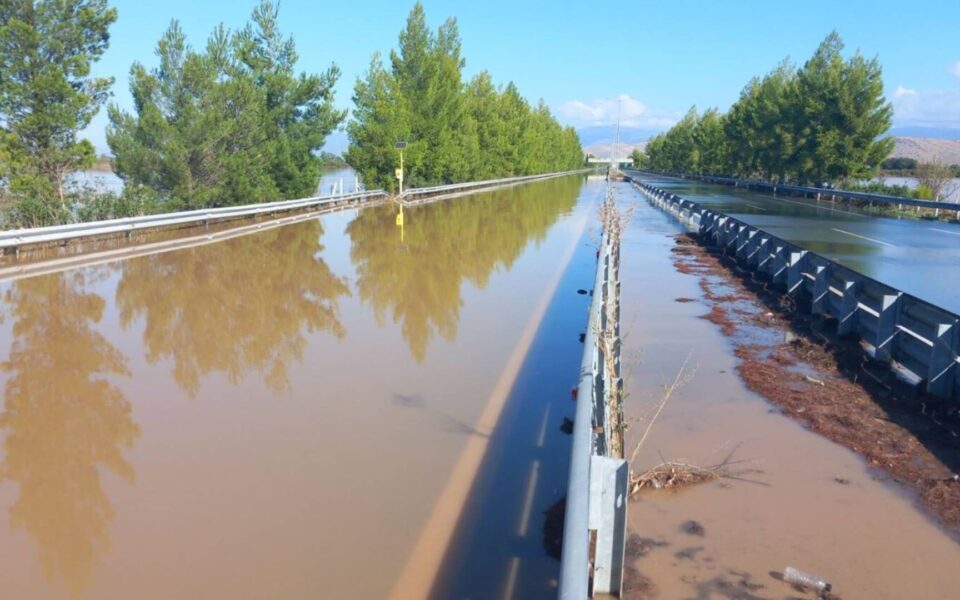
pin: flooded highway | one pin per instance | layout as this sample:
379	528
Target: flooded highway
327	409
920	257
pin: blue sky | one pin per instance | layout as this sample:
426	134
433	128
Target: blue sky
661	57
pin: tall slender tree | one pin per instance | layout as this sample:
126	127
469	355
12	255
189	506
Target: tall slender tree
842	115
454	130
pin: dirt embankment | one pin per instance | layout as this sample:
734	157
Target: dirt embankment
829	384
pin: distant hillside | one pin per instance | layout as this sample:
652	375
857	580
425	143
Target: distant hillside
940	133
923	149
604	150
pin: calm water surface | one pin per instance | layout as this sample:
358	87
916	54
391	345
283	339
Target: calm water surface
919	257
279	414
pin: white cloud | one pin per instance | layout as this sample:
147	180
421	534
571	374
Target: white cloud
926	108
955	69
902	91
633	113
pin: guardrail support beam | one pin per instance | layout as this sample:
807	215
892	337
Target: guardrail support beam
608	517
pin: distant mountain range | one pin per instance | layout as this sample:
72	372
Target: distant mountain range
606	150
937	133
921	143
924	149
919	148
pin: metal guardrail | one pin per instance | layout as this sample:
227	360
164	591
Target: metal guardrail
819	192
917	339
416	195
56	264
16	238
597	486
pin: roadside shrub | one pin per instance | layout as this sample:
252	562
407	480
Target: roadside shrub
131	202
29	210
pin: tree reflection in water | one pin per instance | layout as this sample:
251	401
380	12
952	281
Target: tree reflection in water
239	305
417	282
64	422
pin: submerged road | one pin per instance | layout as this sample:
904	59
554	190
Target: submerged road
920	257
324	406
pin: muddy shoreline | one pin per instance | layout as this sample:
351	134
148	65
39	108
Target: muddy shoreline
829	384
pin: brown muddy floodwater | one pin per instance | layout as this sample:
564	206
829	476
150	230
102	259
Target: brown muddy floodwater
799	500
296	413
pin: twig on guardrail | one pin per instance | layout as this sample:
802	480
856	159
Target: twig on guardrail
682	378
675	473
613	220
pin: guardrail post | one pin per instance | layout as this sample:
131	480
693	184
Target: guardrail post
753	249
608	517
778	263
849	308
795	262
821	288
718	230
704	223
943	360
730	235
888	316
743	238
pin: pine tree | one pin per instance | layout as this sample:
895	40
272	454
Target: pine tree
822	123
47	95
454	131
842	115
230	125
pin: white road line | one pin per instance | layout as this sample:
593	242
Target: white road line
821	207
511	578
755	206
528	500
424	561
862	237
944	231
543	428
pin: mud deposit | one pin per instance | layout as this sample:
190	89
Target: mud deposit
830	385
790	496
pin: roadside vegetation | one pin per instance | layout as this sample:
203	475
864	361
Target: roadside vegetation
47	96
231	124
455	131
234	122
332	162
821	123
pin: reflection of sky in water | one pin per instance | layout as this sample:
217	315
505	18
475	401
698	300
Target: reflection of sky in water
96	181
106	181
333	180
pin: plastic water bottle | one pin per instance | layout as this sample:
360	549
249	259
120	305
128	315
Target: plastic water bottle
798	577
